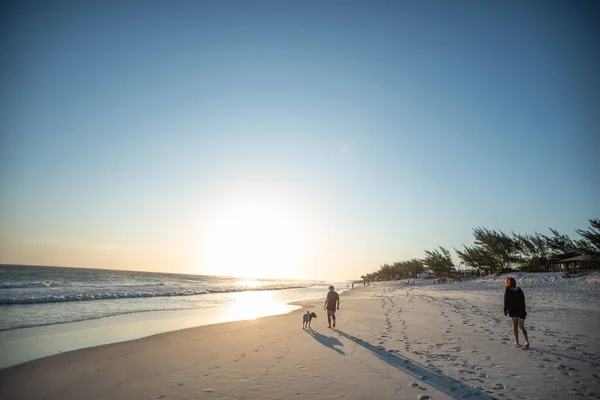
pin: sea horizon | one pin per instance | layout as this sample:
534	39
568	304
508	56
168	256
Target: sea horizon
166	273
47	310
46	295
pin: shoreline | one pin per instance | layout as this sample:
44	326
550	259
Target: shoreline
23	345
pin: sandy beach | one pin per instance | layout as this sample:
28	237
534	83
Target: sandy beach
183	180
392	341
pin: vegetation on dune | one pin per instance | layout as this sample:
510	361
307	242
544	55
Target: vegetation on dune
590	244
439	260
495	251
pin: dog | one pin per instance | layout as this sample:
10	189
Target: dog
306	318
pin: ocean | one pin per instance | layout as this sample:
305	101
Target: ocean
37	296
51	310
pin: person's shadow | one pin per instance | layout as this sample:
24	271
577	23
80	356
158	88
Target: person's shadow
328	341
443	383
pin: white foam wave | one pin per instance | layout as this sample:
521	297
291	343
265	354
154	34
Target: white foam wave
40	298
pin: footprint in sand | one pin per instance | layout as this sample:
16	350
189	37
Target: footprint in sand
565	369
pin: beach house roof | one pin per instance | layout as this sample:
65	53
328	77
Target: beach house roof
580	257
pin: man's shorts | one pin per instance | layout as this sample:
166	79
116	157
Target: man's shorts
331	313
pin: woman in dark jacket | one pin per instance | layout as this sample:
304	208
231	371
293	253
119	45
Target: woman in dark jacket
514	306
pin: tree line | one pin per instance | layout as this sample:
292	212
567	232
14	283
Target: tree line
495	251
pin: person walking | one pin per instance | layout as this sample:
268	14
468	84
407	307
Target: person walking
332	303
514	307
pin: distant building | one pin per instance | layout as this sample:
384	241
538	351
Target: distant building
426	274
574	263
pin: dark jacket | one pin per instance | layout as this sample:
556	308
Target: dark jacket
514	303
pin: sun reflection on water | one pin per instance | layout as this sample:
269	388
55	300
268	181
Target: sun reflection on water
252	305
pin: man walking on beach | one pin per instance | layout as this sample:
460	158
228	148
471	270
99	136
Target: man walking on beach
332	303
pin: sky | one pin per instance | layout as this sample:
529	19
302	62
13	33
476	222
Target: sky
281	139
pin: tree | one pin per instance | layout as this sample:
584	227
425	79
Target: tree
414	265
493	251
534	250
561	246
438	260
386	272
590	244
501	248
475	257
397	270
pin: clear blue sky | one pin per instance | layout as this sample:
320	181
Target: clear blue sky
147	134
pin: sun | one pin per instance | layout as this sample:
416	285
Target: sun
253	240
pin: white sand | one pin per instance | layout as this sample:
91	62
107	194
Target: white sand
20	345
393	342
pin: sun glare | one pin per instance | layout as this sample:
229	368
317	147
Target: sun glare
253	241
251	305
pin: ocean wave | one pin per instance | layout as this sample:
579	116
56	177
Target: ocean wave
92	296
26	285
37	323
